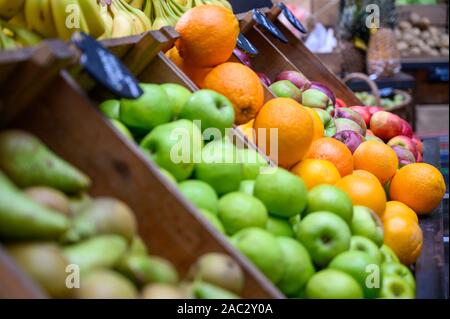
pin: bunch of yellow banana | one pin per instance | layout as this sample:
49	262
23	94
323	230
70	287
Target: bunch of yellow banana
167	12
14	36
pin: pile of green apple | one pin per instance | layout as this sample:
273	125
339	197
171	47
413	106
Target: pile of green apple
309	244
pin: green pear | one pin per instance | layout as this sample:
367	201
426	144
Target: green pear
220	167
178	96
153	108
137	246
103	251
175	147
162	291
50	198
252	162
28	162
204	290
111	109
122	129
200	194
22	218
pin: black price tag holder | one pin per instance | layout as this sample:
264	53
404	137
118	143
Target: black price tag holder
105	68
292	18
261	19
245	45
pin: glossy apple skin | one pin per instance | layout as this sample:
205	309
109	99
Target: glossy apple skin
351	139
404	142
386	125
350	114
407	129
364	112
419	144
348	125
419	158
340	103
297	78
405	157
374	109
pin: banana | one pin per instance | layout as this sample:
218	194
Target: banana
6	42
148	10
136	25
68	18
19	20
22	35
91	12
176	8
160	16
140	15
107	20
9	8
138	4
39	17
122	25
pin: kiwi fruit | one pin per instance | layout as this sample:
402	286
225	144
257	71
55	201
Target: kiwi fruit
105	284
162	291
45	264
50	198
220	270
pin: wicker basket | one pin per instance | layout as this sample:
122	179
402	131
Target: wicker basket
405	109
383	58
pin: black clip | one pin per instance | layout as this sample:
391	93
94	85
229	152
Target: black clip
268	25
292	18
245	45
105	68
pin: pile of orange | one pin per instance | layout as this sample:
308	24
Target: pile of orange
208	36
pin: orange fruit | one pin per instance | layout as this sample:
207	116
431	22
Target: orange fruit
394	209
197	75
318	125
421	186
316	172
208	35
404	236
364	191
294	126
335	151
241	85
376	158
247	130
361	172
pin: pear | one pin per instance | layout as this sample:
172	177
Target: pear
162	291
220	270
28	162
50	198
45	264
21	218
105	284
99	252
204	290
138	246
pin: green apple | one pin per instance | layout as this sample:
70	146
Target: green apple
220	167
285	88
122	129
168	176
252	162
331	199
247	186
298	267
283	193
395	287
200	194
153	108
214	111
213	219
399	270
279	227
366	245
263	249
362	267
325	235
238	211
388	255
295	221
333	284
111	109
366	223
178	96
175	147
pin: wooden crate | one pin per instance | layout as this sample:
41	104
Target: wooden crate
64	117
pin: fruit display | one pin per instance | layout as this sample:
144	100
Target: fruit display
387	102
75	246
417	37
26	22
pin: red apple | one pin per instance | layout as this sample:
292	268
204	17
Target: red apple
405	142
385	125
347	113
340	103
374	109
407	129
419	144
348	125
351	139
297	78
364	112
369	133
419	158
405	157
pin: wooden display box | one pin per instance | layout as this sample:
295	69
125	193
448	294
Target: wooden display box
64	118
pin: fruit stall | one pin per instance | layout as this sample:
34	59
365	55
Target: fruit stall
199	149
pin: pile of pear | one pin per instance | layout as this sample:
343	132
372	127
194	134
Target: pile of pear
75	246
